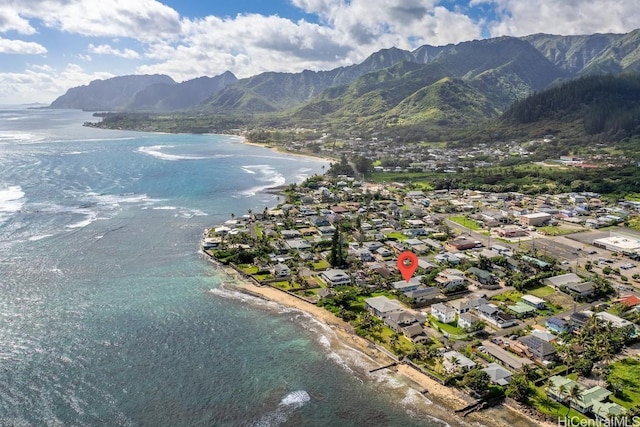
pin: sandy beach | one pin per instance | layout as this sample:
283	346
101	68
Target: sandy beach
276	149
441	401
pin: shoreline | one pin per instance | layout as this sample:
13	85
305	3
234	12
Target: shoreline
275	149
440	401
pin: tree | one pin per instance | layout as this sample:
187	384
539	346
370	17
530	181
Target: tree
477	380
519	388
575	394
336	254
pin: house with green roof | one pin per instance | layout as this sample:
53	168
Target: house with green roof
591	401
521	309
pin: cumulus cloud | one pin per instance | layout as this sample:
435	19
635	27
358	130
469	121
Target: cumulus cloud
139	19
10	20
105	49
567	17
345	32
43	83
21	47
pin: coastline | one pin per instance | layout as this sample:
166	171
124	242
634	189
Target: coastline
275	149
440	401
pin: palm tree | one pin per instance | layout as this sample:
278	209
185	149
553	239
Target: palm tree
562	393
575	394
546	403
529	371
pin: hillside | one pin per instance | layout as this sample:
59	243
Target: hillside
110	94
608	105
179	96
147	93
391	91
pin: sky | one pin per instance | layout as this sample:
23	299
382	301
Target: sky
49	46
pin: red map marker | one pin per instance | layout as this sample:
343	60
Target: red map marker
407	264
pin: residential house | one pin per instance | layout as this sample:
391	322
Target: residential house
578	318
298	244
498	374
335	277
534	301
407	286
563	280
415	332
544	335
591	400
443	313
382	306
453	361
482	276
450	279
465	320
462	243
397	320
535	219
281	270
539	349
495	316
557	325
613	320
583	290
460	305
447	257
423	295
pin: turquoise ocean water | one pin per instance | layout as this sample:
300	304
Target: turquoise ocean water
109	316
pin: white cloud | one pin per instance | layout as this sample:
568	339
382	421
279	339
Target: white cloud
43	83
138	19
105	49
347	32
566	17
21	47
10	20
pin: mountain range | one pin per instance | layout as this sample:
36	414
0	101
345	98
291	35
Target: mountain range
452	85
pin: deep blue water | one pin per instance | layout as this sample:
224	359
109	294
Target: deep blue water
110	317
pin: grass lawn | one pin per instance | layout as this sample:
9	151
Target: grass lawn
628	372
321	265
542	291
513	296
465	222
557	230
446	327
248	268
262	277
396	235
282	284
555	409
403	343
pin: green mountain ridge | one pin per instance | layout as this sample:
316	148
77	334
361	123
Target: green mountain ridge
429	88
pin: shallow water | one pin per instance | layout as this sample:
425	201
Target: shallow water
107	314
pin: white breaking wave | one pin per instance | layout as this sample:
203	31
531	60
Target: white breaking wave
11	201
288	404
156	151
296	398
266	174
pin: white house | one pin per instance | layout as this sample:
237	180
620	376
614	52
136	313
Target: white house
443	313
335	277
533	301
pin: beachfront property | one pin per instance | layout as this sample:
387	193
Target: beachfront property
454	361
335	277
498	374
382	306
591	400
446	293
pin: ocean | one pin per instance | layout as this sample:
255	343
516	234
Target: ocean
110	316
